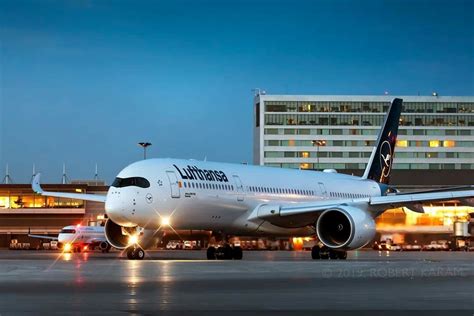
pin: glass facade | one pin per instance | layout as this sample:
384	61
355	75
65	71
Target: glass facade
339	132
20	199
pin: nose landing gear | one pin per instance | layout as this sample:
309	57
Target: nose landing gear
135	252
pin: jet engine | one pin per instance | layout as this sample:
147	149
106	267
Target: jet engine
345	227
118	236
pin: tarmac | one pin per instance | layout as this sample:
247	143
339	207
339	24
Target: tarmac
264	283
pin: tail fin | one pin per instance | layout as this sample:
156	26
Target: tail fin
380	163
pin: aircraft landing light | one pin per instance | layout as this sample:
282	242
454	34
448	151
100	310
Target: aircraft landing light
132	239
165	221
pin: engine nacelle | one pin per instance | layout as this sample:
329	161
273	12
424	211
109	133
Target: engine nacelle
119	236
345	227
116	235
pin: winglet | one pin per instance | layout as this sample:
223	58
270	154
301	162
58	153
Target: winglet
35	184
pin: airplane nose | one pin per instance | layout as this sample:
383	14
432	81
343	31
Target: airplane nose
116	209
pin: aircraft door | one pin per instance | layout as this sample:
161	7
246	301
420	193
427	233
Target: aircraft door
174	184
322	188
240	188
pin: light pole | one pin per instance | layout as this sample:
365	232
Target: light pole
144	145
318	143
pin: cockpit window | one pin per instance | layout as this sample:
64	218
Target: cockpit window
67	231
127	182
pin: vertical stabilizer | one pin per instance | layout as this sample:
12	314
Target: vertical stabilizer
380	163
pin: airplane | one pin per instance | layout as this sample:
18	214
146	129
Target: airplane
77	238
151	196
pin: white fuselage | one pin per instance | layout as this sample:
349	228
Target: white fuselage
81	235
204	195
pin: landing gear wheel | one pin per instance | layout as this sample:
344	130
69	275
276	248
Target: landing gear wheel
224	252
237	253
342	255
324	252
139	253
220	253
135	253
333	254
228	252
130	254
211	253
316	252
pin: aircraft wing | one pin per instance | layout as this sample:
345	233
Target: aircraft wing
374	204
35	184
407	199
43	237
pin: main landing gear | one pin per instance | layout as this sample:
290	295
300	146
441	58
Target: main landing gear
225	252
135	252
327	253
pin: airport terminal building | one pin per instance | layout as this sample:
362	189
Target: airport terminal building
435	146
21	210
338	132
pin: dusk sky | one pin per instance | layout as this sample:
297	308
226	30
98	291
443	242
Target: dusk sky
83	81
